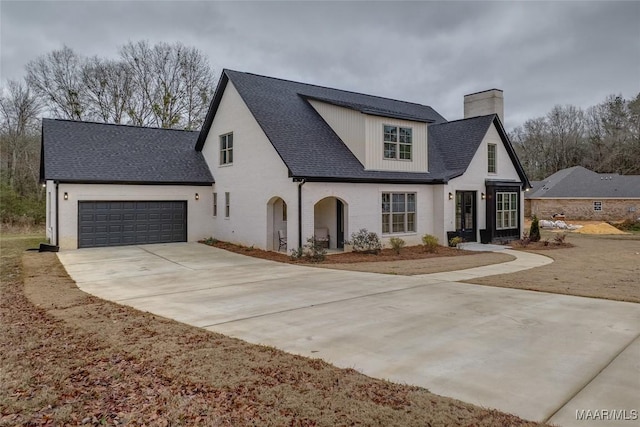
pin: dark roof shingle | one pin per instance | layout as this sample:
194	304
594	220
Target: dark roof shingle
311	149
75	151
578	181
306	143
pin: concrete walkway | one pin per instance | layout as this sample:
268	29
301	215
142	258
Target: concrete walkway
541	356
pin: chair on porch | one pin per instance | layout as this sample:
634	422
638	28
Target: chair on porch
282	239
322	236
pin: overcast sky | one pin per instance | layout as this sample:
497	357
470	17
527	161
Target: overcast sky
541	54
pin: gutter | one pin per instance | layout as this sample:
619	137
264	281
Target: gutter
373	180
57	244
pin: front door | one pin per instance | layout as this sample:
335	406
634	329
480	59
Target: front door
466	215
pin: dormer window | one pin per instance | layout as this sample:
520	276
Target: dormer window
397	142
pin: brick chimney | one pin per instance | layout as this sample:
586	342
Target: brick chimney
483	103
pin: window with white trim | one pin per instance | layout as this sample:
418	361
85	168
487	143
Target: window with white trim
492	156
215	204
597	206
398	213
397	142
227	205
506	211
226	149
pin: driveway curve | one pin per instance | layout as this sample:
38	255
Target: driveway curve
533	354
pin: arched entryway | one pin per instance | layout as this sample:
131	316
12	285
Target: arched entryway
277	224
330	218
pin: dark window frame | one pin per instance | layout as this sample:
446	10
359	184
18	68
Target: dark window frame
226	149
390	214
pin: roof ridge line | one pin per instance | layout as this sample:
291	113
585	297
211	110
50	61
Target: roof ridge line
460	120
92	122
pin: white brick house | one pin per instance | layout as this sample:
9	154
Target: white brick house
280	156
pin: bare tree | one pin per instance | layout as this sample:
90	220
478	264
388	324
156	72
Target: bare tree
605	138
172	84
108	88
566	133
164	85
57	78
19	137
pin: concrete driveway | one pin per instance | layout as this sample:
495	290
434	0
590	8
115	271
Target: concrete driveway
540	356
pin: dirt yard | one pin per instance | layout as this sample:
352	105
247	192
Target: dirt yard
599	266
69	358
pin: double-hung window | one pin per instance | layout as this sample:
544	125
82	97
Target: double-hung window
226	149
397	142
506	211
492	152
398	213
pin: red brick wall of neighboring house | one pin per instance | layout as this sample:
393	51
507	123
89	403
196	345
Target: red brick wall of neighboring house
582	209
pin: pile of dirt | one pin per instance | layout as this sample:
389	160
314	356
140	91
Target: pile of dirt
601	228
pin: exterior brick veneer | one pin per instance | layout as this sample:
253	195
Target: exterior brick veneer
582	209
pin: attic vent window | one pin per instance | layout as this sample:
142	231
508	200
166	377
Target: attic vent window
397	142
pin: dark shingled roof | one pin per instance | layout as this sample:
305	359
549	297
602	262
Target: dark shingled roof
458	141
311	149
74	151
581	182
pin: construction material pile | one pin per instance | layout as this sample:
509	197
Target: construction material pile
601	228
561	225
585	228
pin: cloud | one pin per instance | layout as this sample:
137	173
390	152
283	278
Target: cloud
541	54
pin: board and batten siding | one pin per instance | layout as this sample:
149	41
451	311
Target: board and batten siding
374	135
363	134
348	124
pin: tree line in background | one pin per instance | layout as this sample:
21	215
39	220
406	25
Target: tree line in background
604	138
164	85
171	85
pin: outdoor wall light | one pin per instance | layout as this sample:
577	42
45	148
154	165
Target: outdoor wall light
66	195
450	196
483	196
197	196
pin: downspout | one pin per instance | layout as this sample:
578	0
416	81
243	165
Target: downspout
300	184
57	217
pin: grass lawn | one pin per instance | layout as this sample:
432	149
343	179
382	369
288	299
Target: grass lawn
69	358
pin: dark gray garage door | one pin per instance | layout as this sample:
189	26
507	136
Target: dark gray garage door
117	223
